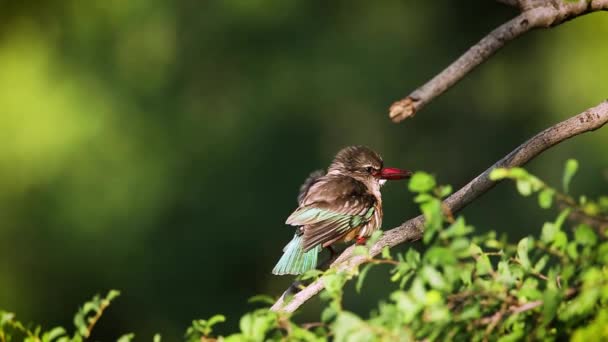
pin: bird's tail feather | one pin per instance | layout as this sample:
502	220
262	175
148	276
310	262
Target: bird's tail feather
295	260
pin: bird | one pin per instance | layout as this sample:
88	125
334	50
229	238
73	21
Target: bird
340	205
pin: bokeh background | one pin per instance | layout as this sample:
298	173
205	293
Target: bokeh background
156	147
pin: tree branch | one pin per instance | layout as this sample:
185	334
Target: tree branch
535	14
412	229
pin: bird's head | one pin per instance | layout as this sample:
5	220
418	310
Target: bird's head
364	164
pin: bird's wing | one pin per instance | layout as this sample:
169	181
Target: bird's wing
308	183
331	209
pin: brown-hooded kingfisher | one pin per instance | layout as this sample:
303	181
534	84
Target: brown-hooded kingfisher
342	205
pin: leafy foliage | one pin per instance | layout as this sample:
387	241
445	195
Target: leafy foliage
84	321
463	286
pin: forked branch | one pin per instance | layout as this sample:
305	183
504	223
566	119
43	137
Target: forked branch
535	14
411	230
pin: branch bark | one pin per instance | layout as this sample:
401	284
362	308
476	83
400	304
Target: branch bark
535	14
411	230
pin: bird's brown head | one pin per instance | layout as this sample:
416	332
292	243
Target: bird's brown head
363	163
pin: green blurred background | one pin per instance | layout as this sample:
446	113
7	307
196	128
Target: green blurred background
157	146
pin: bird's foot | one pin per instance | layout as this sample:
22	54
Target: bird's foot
361	240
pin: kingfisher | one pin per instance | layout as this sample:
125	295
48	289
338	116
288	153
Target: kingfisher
341	205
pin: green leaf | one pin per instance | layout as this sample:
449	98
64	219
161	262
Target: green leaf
439	256
585	235
540	265
374	238
407	305
311	274
602	252
483	265
519	173
569	172
572	250
591	209
548	232
433	277
361	250
470	313
334	283
418	290
53	334
328	314
560	241
424	197
126	338
524	187
466	275
562	217
551	300
529	290
433	217
457	229
499	173
362	276
504	273
386	253
216	319
514	336
545	198
603	203
522	253
262	299
475	250
6	317
413	258
587	300
421	182
349	327
112	294
444	191
256	324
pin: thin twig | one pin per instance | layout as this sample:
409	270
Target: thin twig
494	320
532	272
526	307
536	14
93	320
381	261
412	229
311	325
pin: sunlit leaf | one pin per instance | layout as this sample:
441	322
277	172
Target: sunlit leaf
569	171
545	198
498	174
126	338
483	265
386	253
361	277
421	182
433	277
522	253
262	299
374	238
524	187
584	235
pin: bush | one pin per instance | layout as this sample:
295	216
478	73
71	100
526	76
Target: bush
464	286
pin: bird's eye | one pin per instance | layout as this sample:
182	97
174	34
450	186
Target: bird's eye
370	169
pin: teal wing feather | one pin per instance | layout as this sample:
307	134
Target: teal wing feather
325	222
294	260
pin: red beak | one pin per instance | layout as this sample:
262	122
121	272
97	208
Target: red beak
391	173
